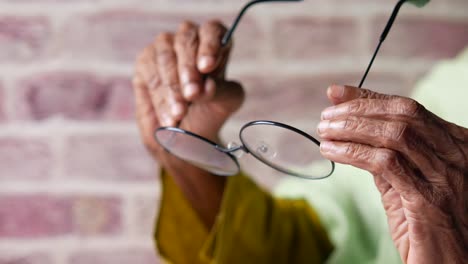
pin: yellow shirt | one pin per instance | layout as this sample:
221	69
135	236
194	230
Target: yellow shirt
252	227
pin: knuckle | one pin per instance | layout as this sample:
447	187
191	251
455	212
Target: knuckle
413	108
215	23
350	150
166	57
187	36
361	105
214	27
187	26
350	123
355	151
396	133
164	37
366	94
388	160
409	107
355	106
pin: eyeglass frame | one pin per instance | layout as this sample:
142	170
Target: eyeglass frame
226	39
229	151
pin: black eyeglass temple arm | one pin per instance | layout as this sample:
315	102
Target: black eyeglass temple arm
382	38
230	32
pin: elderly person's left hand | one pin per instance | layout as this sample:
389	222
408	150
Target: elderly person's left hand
420	166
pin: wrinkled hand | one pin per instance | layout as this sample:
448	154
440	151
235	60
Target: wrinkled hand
419	163
178	69
181	78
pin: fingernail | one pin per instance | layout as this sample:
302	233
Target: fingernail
323	125
327	147
336	91
205	62
190	90
177	109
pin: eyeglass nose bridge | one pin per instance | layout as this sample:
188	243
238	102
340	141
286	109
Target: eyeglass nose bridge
233	148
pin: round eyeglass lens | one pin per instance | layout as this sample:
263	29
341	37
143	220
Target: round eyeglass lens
197	151
286	149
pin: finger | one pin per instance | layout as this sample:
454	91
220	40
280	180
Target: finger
186	47
406	110
164	103
167	99
394	135
166	60
396	107
338	94
146	68
145	114
210	52
378	161
226	98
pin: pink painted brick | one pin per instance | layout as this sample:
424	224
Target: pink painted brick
24	38
423	38
39	215
121	34
74	95
34	216
316	38
108	157
25	159
2	103
144	213
115	256
94	215
25	258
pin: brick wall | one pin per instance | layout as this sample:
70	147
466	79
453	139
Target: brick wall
76	185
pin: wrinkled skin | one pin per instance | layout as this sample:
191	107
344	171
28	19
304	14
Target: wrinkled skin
419	163
179	69
418	160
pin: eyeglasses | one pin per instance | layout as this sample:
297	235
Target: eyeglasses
258	138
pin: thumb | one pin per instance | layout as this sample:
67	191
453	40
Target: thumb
225	97
338	94
207	116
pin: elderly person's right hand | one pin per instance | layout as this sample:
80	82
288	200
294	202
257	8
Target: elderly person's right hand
180	78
